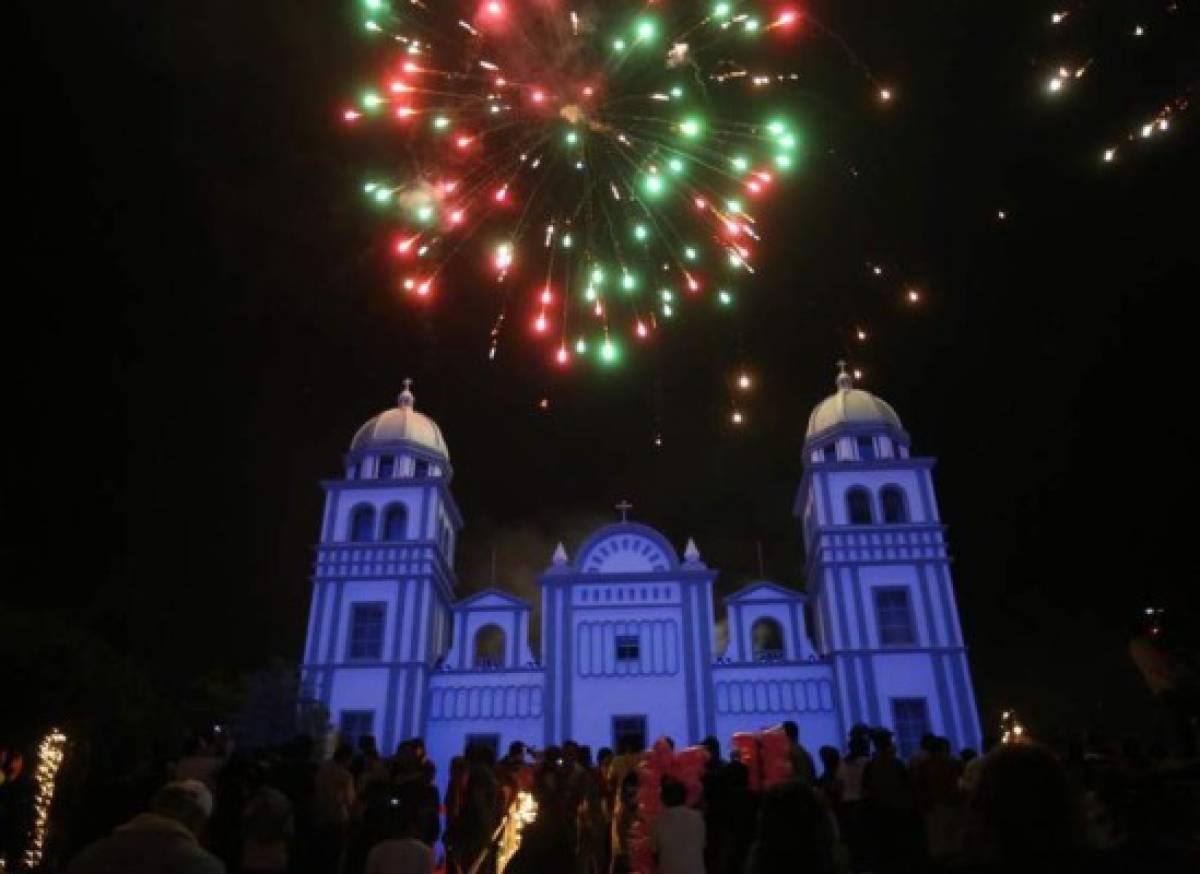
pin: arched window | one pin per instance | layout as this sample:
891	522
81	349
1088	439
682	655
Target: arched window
362	524
858	506
766	638
489	647
891	500
395	523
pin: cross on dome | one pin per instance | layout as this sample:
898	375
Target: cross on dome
850	405
844	381
624	507
406	398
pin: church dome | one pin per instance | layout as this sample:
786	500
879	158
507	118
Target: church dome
850	406
401	424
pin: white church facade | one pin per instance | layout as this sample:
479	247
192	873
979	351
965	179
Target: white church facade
628	644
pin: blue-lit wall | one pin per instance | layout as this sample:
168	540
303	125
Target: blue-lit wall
626	582
851	561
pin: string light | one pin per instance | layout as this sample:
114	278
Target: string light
743	381
50	755
736	417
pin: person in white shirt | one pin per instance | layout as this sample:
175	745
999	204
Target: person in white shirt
677	836
849	775
403	852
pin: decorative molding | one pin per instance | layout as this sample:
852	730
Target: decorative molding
491	599
771	593
647	548
780	696
609	594
485	702
623	550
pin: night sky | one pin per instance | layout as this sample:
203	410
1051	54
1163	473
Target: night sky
200	312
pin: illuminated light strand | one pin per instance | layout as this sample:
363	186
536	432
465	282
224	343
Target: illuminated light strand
50	755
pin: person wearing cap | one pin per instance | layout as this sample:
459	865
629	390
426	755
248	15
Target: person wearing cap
163	840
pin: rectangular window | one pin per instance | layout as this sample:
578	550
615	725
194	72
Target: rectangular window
421	468
894	616
629	734
628	648
830	452
489	741
366	631
866	449
910	720
387	465
354	724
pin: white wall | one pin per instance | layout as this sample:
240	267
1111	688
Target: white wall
655	686
369	592
508	703
873	480
359	689
908	675
380	498
663	700
742	616
752	697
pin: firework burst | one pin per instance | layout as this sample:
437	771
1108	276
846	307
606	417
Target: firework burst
603	162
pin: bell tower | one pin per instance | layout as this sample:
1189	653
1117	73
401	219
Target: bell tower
383	579
879	576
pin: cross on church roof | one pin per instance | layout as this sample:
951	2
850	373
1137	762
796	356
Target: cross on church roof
624	507
844	380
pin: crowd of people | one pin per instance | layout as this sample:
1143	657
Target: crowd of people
1079	806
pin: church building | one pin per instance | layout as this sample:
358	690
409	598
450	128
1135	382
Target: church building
629	646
